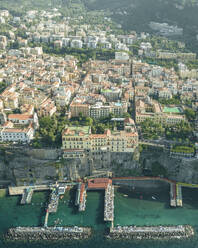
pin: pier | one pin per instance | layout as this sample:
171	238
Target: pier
109	203
54	200
83	196
173	202
179	195
46	218
27	196
77	200
20	189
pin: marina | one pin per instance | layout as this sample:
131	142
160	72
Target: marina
128	211
110	188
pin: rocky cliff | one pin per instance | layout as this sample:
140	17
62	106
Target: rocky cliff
19	166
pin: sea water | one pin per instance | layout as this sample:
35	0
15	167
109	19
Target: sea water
132	207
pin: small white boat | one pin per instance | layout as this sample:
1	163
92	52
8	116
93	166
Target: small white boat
154	198
125	195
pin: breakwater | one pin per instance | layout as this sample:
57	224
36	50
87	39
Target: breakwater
151	232
50	233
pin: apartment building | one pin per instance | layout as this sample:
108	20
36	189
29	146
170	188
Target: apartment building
99	110
16	134
47	108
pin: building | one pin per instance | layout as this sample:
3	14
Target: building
121	56
24	119
47	108
78	141
21	119
76	44
99	110
79	108
16	134
112	94
152	110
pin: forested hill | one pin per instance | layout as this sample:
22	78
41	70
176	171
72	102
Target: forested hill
132	14
137	14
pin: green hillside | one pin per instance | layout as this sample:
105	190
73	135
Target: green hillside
132	14
137	14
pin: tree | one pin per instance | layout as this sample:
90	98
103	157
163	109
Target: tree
190	114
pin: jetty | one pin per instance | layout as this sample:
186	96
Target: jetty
109	203
151	232
54	200
83	198
49	233
46	218
77	200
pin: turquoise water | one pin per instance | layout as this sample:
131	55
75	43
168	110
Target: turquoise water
131	207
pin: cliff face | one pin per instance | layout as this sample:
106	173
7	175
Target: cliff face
183	170
19	166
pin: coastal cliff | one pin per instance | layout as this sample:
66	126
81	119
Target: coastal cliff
19	166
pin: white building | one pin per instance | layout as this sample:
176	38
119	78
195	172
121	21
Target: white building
76	44
65	42
4	13
106	45
121	46
92	44
17	135
121	56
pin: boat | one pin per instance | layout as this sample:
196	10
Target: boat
154	198
125	195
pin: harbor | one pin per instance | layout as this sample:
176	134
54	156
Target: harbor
114	193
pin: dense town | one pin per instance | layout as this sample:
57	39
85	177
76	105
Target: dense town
98	125
108	103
